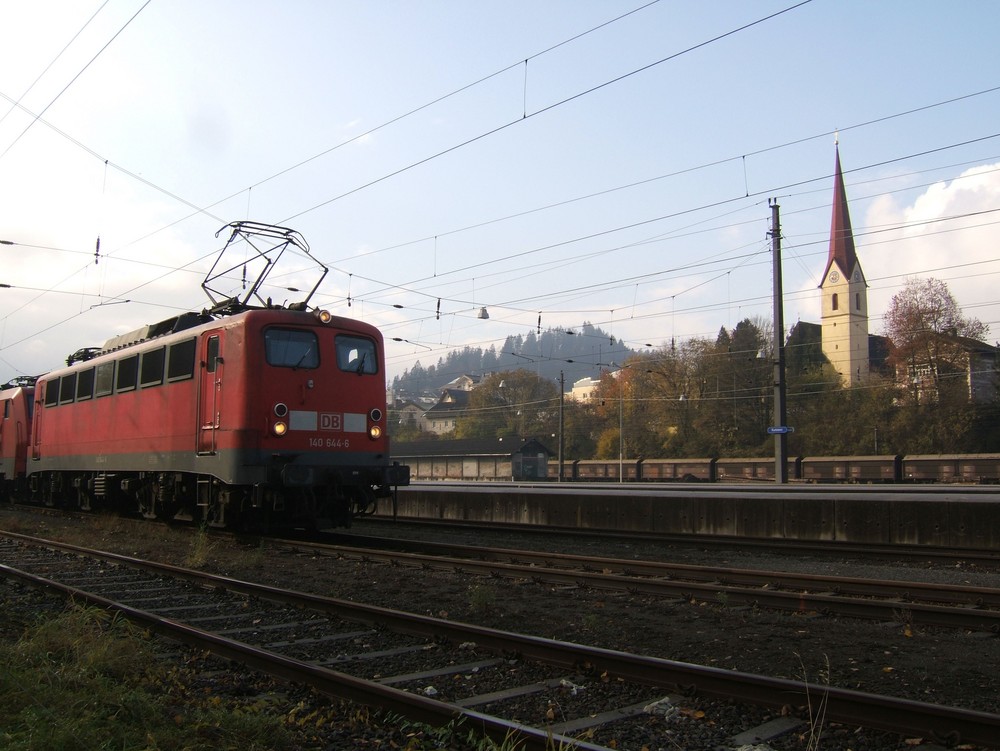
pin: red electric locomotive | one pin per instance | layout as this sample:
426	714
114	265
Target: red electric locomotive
17	398
266	416
243	416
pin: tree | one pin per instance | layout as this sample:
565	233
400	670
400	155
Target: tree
931	345
926	327
804	349
734	376
924	308
405	430
674	386
511	403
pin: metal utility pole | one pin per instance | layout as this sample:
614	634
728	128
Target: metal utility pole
562	396
781	429
621	425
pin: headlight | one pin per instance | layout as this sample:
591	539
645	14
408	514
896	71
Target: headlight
324	316
374	432
280	428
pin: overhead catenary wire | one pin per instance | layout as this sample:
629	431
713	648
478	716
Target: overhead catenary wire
877	120
406	286
725	256
199	210
761	299
73	80
17	103
370	297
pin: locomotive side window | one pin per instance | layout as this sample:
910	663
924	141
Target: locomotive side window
6	409
67	388
128	370
180	363
104	380
85	385
291	348
356	354
52	393
151	367
213	354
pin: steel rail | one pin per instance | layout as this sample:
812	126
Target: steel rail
960	594
761	588
326	681
771	544
841	705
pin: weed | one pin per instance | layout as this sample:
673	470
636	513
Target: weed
592	621
201	547
817	713
251	556
455	736
482	599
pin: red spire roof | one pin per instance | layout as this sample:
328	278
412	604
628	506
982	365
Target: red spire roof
841	237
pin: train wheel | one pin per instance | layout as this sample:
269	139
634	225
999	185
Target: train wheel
365	502
254	521
145	499
166	503
333	509
52	490
83	500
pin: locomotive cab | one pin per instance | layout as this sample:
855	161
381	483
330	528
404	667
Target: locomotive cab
321	394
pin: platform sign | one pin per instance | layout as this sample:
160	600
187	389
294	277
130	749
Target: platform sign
780	430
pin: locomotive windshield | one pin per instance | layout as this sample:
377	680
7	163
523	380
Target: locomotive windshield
356	355
291	348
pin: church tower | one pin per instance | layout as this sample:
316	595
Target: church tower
845	295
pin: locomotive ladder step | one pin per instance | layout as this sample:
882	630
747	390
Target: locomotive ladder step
202	482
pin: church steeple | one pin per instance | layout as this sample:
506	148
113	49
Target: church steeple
845	294
841	236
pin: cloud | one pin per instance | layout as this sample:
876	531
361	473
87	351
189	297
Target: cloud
951	231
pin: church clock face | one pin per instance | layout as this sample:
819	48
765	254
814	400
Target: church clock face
834	277
857	275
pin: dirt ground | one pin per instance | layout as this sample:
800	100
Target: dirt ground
929	665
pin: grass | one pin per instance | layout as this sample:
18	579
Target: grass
482	599
201	549
86	681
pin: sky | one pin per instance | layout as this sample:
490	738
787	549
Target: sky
554	162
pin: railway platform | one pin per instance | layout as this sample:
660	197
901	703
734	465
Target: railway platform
965	517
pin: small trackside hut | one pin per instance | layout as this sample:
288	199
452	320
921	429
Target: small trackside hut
530	461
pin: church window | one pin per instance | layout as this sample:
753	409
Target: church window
835	303
857	301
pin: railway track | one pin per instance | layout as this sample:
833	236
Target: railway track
915	603
504	683
838	549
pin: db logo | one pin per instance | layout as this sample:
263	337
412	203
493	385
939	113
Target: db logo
331	421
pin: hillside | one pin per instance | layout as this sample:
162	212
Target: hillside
578	353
